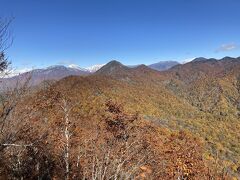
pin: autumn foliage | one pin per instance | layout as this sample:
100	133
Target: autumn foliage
129	124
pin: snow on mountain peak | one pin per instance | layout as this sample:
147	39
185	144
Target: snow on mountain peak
94	68
75	66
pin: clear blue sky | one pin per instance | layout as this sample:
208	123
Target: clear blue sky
91	32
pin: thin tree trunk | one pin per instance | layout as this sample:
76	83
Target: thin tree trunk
67	137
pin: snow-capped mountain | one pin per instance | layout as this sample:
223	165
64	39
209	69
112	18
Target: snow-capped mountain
57	72
91	69
71	68
39	75
94	68
75	66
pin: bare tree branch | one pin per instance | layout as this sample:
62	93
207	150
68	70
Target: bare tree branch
18	145
6	41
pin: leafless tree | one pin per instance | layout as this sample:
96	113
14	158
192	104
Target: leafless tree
67	135
12	125
5	42
112	165
10	97
68	128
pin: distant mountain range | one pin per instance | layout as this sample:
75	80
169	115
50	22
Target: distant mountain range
59	71
73	68
163	65
37	76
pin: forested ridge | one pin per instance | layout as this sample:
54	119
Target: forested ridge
127	123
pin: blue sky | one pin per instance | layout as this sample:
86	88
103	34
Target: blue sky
48	32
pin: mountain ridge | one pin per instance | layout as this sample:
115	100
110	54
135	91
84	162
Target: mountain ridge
56	72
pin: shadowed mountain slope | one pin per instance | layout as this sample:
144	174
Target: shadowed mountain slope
163	65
